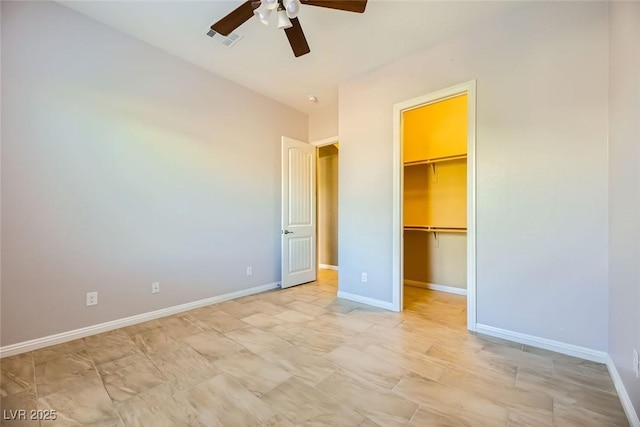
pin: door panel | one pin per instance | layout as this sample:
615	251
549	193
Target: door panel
300	253
298	212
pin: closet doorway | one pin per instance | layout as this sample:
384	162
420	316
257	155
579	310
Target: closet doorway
434	198
328	206
327	209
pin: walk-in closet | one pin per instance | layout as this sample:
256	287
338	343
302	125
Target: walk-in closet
434	138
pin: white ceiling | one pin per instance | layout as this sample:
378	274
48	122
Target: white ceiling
343	45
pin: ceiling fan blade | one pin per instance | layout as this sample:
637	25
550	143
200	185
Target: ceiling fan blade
297	40
347	5
234	19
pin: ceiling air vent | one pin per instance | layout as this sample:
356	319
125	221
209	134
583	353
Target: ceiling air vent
227	41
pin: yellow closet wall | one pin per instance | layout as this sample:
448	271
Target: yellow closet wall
443	262
435	193
436	197
436	130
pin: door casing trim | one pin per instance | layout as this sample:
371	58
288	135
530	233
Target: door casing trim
469	88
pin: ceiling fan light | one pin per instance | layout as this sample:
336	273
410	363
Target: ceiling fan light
263	14
283	20
269	4
292	7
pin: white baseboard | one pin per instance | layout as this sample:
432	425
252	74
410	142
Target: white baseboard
624	397
366	300
435	287
547	344
328	267
22	347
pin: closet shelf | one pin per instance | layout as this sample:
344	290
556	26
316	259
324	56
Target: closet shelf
435	229
436	160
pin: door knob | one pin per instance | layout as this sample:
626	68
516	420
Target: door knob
287	232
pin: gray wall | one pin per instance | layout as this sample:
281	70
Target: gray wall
323	122
542	79
121	166
624	192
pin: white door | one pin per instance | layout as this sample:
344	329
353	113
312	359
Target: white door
298	212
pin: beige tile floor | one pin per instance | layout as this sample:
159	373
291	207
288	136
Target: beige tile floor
301	357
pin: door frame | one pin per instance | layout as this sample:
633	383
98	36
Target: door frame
468	88
319	144
324	142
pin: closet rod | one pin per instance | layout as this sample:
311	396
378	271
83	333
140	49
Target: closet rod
429	228
436	160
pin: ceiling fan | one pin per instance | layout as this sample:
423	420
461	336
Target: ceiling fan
287	14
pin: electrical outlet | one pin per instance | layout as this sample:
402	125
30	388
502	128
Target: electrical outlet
155	287
92	298
249	271
636	363
364	278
